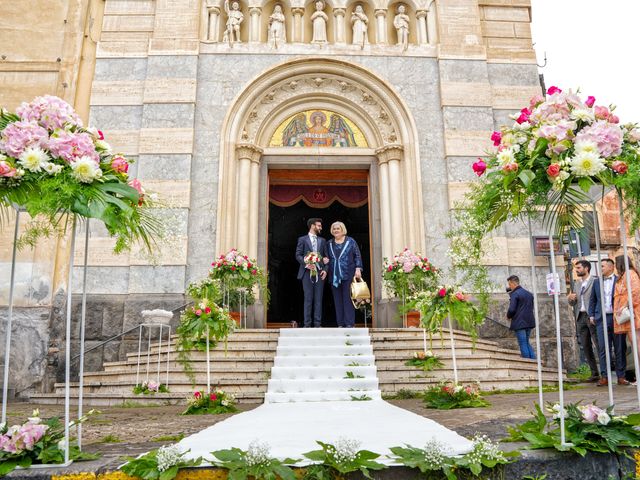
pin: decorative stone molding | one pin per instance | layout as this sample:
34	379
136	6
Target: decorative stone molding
249	152
390	152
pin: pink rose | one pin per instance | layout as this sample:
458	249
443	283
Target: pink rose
553	170
442	292
590	101
119	164
198	312
619	167
479	167
460	296
135	183
601	113
553	90
496	138
6	170
614	119
510	167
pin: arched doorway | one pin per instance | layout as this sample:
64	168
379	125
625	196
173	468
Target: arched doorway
255	140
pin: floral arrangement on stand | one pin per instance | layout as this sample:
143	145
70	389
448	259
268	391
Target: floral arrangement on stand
215	402
435	458
235	272
37	442
447	396
254	463
55	168
150	388
161	464
447	301
587	428
339	459
408	273
427	361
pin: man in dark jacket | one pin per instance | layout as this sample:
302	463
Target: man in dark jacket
521	315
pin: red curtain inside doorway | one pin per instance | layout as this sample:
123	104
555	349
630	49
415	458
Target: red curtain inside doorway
318	196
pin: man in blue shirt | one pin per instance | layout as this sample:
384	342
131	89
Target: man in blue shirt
521	315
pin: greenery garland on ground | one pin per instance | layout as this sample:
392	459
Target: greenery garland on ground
337	460
55	169
447	396
254	463
161	464
587	428
37	442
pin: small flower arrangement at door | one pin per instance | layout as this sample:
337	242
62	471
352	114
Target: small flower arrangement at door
408	273
54	167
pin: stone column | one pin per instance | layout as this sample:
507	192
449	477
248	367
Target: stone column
421	15
381	26
297	24
340	36
213	26
246	153
385	213
432	26
392	154
254	206
254	26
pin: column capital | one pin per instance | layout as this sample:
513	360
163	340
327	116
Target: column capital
389	152
297	11
255	10
213	9
421	13
380	12
248	151
339	11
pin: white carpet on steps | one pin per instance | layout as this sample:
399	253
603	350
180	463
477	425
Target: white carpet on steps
293	428
308	399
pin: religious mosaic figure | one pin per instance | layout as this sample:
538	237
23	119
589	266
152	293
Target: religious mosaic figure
277	32
299	133
234	19
319	21
401	23
360	24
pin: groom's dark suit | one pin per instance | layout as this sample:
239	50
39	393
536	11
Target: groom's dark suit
313	288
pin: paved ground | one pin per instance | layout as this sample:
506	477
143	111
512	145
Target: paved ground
138	429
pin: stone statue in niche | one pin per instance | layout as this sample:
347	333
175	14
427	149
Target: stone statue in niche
277	31
401	24
319	21
360	23
234	19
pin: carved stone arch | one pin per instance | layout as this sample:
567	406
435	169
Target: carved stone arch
331	84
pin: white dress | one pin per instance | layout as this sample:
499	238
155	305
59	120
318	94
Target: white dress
319	20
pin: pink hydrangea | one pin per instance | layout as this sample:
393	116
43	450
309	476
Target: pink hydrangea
408	266
50	112
557	131
29	434
607	136
19	135
72	146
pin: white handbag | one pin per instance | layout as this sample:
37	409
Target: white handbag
623	316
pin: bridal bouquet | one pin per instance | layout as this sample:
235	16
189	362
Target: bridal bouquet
312	262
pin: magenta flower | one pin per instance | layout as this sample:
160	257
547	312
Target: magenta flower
590	101
479	167
553	90
17	136
442	292
496	138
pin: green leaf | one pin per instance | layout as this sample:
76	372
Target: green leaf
7	466
170	473
527	176
315	455
585	184
126	191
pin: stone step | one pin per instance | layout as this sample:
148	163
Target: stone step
323	332
320	350
115	399
322	385
276	397
227	362
329	372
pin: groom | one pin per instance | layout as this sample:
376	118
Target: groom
312	285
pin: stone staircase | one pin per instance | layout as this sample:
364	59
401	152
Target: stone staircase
244	366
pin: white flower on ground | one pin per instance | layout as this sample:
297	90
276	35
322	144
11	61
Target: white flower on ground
556	411
257	453
603	418
168	457
587	164
346	449
33	159
483	448
85	170
435	454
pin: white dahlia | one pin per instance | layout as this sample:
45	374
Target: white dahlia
33	159
587	164
506	156
583	114
52	168
86	170
586	146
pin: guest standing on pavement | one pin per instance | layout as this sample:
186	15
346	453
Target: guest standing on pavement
586	331
521	315
620	300
617	342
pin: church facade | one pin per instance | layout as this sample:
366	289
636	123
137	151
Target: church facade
248	117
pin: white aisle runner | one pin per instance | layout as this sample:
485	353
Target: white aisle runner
323	386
